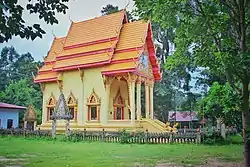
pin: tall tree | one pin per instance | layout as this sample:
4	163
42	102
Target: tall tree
15	67
221	103
12	22
210	34
109	9
22	93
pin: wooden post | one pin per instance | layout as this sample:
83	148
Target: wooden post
171	138
54	129
25	125
67	132
198	138
35	124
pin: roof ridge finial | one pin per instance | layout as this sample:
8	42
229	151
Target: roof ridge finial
70	19
53	34
126	5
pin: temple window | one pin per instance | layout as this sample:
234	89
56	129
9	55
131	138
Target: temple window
51	104
118	106
93	104
72	105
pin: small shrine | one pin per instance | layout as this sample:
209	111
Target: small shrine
30	118
61	112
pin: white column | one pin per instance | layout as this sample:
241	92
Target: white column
138	100
35	125
131	85
44	111
25	125
147	99
151	90
104	115
80	106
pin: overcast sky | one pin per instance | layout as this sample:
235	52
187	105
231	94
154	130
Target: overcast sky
79	10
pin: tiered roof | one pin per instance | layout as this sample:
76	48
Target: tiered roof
107	41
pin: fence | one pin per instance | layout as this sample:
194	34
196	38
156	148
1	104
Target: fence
113	137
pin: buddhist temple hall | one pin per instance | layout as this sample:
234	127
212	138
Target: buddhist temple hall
101	66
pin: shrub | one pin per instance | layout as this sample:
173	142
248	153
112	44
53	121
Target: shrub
236	139
124	136
213	138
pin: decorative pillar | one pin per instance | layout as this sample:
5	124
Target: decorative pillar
54	128
107	83
151	90
138	99
147	99
35	124
131	86
106	111
81	106
67	128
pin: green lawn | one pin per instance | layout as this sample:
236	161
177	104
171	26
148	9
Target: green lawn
41	153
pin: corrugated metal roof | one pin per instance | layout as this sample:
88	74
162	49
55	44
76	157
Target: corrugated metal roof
6	105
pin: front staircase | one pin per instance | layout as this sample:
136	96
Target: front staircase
153	125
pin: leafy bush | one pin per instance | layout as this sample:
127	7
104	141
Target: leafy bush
235	139
213	138
124	136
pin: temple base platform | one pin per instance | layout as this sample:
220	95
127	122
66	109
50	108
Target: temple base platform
149	125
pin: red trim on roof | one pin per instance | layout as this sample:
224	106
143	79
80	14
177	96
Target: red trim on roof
91	43
46	80
81	66
6	105
151	52
85	53
49	62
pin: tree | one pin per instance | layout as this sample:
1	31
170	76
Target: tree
15	67
12	22
209	34
109	9
24	94
221	103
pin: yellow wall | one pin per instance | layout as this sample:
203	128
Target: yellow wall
72	83
124	93
93	80
50	88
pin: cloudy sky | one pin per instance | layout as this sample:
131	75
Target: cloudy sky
78	10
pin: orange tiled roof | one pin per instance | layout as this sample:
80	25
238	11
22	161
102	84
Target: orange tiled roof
98	28
46	67
132	35
56	47
83	60
88	48
87	42
47	76
126	55
120	66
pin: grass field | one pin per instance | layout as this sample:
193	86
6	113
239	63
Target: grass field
42	153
